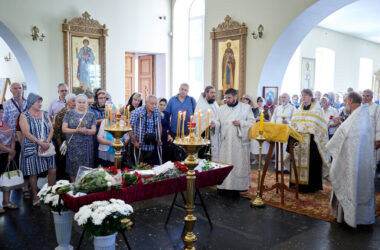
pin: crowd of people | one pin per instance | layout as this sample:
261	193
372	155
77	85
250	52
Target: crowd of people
33	139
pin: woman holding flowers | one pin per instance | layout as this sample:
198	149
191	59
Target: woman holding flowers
79	125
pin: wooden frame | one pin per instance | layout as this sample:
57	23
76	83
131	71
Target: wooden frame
228	37
91	73
4	82
270	95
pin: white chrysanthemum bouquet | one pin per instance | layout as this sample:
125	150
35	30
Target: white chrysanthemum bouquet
102	218
49	196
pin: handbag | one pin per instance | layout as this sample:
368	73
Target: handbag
51	149
63	147
12	178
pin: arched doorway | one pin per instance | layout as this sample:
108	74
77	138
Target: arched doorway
283	49
22	57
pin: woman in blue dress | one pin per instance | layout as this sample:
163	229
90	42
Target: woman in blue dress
37	133
81	126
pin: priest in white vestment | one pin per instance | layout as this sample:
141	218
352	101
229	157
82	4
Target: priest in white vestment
374	112
205	103
283	114
233	121
353	167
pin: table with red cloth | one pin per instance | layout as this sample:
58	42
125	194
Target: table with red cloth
150	190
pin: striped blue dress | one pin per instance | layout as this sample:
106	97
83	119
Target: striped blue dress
31	163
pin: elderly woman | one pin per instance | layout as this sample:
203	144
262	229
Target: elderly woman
7	153
37	131
329	113
79	125
59	136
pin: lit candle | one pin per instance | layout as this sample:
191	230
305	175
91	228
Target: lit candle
129	120
261	128
191	119
179	123
207	124
183	123
199	124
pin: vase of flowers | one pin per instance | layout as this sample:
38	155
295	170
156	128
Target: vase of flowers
62	219
102	220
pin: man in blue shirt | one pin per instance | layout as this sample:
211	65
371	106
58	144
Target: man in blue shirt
146	129
180	102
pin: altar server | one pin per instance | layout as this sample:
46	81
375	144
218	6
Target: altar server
353	167
206	103
233	121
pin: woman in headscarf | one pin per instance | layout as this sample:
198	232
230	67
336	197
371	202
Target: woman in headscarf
7	153
37	131
59	136
79	125
134	101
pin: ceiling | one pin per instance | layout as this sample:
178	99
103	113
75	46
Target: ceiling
360	19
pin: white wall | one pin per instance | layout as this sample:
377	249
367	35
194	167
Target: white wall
348	51
10	69
274	15
133	26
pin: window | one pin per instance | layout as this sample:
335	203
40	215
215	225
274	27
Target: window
188	45
324	70
292	79
365	73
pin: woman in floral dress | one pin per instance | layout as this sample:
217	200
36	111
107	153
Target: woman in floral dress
81	125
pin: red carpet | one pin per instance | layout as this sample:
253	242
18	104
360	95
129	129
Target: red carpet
315	205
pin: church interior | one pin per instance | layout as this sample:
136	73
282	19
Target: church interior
153	47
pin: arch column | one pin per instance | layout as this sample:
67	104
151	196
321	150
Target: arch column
22	57
278	58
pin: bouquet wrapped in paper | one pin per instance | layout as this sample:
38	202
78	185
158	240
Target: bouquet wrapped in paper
49	195
97	180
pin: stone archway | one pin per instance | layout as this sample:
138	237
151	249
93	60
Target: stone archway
278	58
22	57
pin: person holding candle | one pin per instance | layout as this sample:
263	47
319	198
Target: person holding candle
282	115
261	109
329	113
146	129
312	156
184	103
232	122
207	106
81	125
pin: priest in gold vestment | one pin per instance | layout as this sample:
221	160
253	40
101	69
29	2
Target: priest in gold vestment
311	154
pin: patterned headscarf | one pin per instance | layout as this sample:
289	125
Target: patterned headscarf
32	98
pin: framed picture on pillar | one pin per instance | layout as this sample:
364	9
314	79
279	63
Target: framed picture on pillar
307	73
270	94
84	41
229	43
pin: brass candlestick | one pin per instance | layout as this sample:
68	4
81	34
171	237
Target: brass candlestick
117	132
258	201
191	144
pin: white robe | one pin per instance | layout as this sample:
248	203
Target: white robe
279	113
353	168
203	106
234	144
374	112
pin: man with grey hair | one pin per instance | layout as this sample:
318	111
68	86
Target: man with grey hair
180	102
207	101
57	104
283	114
146	129
374	112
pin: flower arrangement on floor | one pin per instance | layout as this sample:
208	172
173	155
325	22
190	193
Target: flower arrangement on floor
102	218
48	195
